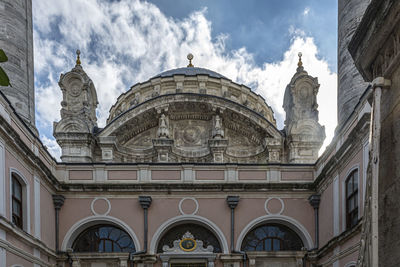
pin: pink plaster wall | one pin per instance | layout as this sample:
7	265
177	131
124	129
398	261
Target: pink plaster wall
122	175
188	206
300	210
252	175
326	216
160	211
127	210
357	160
73	210
130	212
353	257
325	258
210	175
217	211
164	207
252	208
166	175
14	259
16	241
274	206
21	133
81	175
12	162
47	220
214	209
297	175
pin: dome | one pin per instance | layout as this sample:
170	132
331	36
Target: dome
190	71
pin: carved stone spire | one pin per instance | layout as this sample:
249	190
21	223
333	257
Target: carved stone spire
74	132
303	132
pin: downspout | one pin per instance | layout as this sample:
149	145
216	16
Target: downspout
145	202
232	203
314	201
58	201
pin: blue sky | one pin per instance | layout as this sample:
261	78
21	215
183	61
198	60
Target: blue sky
262	26
128	41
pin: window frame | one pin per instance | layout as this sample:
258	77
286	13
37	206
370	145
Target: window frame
14	199
100	241
353	196
281	227
25	188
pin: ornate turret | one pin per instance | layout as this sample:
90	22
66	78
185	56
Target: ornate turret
74	132
304	135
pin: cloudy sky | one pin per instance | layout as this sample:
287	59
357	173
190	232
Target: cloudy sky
123	42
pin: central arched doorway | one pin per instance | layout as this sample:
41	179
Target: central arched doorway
188	244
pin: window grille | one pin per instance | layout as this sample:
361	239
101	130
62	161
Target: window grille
271	237
103	238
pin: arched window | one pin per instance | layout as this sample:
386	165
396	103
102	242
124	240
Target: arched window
271	237
103	238
16	198
352	199
199	233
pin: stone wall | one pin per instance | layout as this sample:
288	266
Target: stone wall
17	41
389	173
350	83
376	50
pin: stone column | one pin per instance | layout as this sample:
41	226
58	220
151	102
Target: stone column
76	263
58	201
231	260
378	84
232	203
314	201
123	263
145	202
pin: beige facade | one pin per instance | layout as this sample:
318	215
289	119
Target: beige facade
190	168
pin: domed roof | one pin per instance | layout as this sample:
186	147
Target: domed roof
190	71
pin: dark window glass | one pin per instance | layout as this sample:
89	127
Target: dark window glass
199	233
16	202
352	199
103	238
271	237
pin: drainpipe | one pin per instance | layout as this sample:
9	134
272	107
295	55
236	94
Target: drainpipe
145	202
314	201
58	201
232	203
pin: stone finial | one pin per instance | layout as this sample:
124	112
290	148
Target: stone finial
78	59
190	57
300	63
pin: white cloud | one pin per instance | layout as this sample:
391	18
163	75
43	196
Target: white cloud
52	146
126	42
